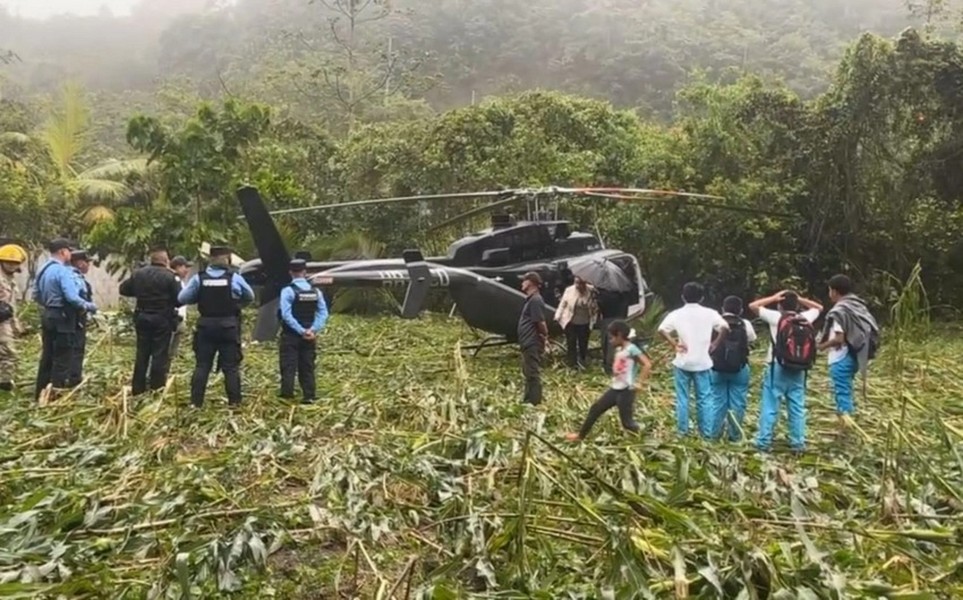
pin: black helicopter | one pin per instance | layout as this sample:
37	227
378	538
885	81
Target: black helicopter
482	272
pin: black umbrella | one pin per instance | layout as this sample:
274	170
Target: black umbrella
602	273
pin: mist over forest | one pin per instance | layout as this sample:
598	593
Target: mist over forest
344	99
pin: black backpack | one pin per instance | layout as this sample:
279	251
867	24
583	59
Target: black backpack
733	353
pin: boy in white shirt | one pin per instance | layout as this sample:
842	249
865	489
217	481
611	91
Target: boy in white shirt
730	370
693	325
779	380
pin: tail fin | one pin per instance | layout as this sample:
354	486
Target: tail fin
419	282
274	255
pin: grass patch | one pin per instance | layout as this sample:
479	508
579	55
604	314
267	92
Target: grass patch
421	475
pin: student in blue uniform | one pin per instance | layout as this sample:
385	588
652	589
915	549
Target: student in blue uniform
58	293
219	294
303	316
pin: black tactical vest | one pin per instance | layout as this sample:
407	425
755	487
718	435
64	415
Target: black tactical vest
304	306
214	299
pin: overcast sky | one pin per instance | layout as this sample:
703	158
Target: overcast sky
44	8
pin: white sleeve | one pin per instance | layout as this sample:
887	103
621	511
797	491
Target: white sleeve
769	315
811	315
750	332
668	323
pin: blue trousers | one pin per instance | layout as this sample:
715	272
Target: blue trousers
842	373
778	383
729	392
702	383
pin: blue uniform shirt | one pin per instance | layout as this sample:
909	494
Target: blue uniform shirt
59	285
240	290
287	301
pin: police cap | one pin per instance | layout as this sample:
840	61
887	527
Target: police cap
298	265
59	244
78	255
220	251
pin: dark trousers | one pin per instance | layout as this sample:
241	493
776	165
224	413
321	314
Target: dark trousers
77	354
153	351
61	343
223	341
606	346
576	342
532	371
623	399
297	356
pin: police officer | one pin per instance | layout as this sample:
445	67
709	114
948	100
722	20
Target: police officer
58	292
156	288
303	315
12	258
219	295
80	266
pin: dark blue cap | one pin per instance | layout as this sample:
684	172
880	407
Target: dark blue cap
78	255
220	251
297	265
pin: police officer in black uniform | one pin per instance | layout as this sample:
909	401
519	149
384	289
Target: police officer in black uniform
303	314
219	294
155	318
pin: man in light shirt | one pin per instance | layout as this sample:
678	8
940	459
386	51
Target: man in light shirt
692	326
778	381
182	267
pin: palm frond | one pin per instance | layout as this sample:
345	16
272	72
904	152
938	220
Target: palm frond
100	190
115	169
66	130
97	214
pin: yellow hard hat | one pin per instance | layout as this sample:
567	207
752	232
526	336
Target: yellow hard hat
13	253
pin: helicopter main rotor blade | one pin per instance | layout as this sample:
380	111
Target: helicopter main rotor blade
429	197
689	202
475	211
645	191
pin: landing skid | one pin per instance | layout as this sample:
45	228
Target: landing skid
492	341
495	341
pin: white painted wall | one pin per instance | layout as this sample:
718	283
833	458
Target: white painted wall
105	286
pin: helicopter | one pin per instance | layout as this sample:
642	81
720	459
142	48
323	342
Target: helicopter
482	271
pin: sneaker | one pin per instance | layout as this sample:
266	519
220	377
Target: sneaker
308	401
572	437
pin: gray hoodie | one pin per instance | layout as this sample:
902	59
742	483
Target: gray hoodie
857	323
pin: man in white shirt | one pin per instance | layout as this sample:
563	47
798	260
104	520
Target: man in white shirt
730	371
182	267
779	382
693	325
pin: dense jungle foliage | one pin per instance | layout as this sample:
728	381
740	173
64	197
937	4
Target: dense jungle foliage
830	112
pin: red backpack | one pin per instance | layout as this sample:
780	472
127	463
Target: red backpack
795	345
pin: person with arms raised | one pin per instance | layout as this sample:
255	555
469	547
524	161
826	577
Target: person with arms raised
219	294
791	354
304	314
